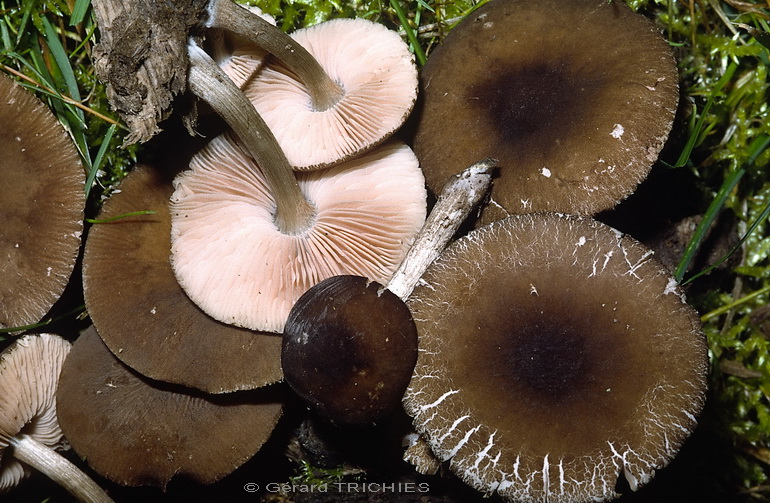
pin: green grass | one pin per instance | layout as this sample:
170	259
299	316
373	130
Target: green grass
47	46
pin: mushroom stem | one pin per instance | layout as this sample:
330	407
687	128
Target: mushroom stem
226	14
458	197
58	468
293	213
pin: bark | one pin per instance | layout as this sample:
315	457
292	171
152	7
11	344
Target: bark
142	57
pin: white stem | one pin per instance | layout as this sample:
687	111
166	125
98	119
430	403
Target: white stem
207	81
58	468
459	196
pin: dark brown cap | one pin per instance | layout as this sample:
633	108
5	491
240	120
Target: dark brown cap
349	349
555	355
573	98
42	197
142	313
135	431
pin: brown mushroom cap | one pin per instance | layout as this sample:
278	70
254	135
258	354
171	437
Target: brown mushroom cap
575	100
144	316
135	431
230	257
378	77
29	371
42	199
349	349
555	354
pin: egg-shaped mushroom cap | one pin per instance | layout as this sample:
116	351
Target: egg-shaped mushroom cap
143	315
555	354
42	199
29	372
135	431
378	76
349	349
234	262
575	100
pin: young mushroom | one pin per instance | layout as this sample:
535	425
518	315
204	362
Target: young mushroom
136	432
29	430
350	344
42	199
575	99
555	355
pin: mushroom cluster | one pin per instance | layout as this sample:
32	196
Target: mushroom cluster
540	356
188	301
248	235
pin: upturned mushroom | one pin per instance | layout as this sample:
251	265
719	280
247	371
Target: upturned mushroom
137	432
575	99
376	88
555	355
241	267
141	312
42	199
29	430
350	344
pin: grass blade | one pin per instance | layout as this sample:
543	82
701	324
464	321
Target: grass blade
79	11
684	157
99	158
410	33
755	149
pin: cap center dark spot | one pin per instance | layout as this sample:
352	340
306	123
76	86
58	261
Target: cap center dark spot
550	359
534	102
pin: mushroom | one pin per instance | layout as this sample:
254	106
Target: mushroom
143	315
555	354
350	344
349	350
335	90
43	199
575	99
29	431
377	81
236	263
135	431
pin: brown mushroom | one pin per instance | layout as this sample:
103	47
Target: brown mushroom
29	430
135	431
575	99
349	350
43	199
555	354
143	315
350	344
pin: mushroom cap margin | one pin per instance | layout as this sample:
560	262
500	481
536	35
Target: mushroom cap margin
575	386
